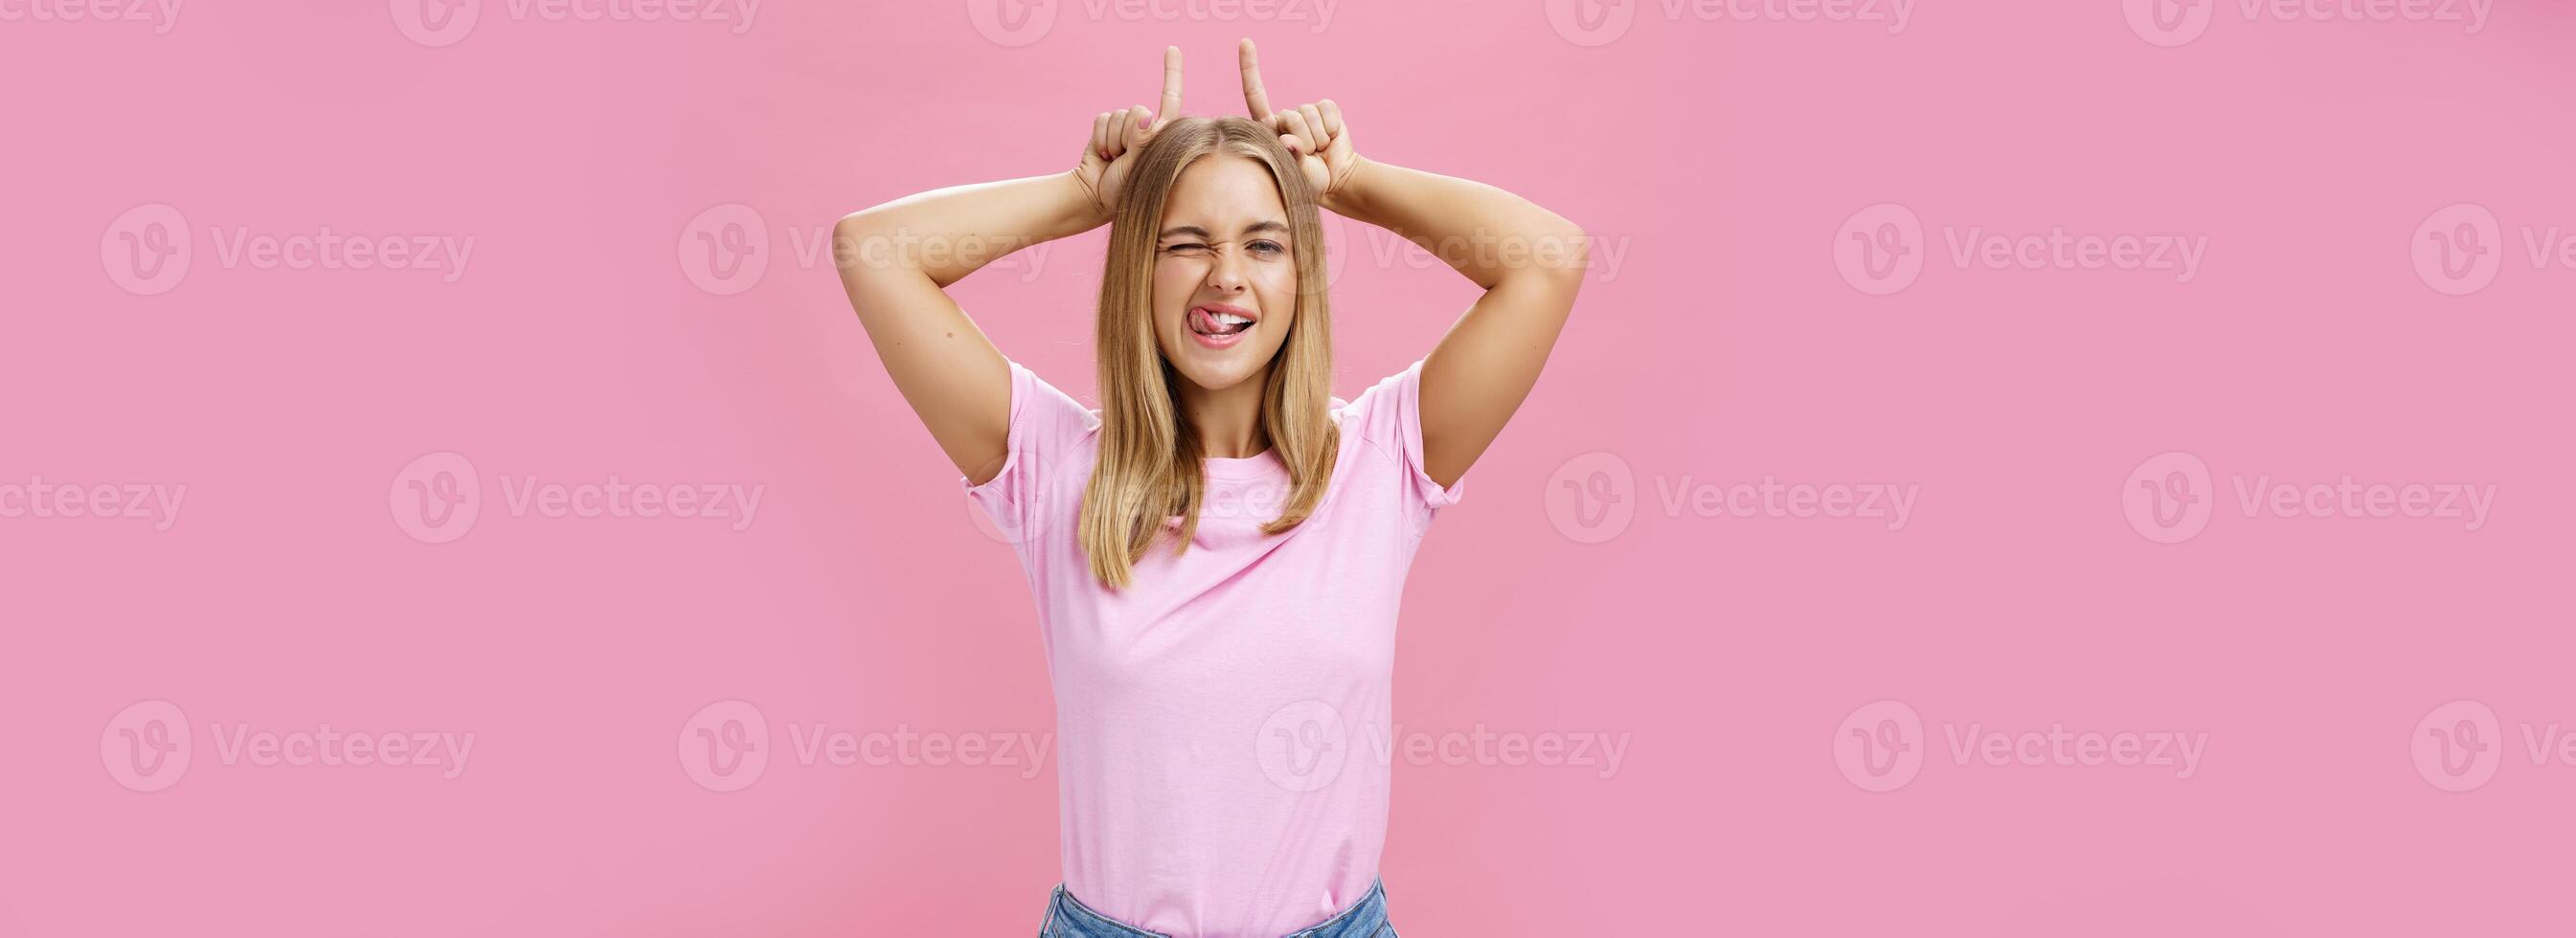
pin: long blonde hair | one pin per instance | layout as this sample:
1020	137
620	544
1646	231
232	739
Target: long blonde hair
1150	456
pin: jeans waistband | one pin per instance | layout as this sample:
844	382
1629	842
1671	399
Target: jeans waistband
1067	917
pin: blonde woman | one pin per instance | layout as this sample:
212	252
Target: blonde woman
1217	553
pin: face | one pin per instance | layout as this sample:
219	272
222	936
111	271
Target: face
1225	272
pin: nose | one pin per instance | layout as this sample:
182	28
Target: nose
1226	275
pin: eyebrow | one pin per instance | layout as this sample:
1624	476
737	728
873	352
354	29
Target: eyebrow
1254	228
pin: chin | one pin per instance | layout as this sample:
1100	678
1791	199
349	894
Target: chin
1220	371
1217	376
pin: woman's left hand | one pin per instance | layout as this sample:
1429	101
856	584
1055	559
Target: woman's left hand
1312	131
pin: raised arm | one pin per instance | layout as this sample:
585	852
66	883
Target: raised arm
897	259
1530	262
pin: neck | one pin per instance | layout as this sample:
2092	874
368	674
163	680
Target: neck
1228	422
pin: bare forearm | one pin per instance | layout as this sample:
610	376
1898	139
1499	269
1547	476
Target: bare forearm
1487	234
897	259
948	233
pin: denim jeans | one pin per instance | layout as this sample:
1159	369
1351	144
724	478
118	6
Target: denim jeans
1069	918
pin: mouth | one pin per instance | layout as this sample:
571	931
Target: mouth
1219	324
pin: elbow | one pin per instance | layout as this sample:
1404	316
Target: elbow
1578	252
857	246
859	220
874	222
1550	256
1563	254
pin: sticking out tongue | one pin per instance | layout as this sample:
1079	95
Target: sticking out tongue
1205	323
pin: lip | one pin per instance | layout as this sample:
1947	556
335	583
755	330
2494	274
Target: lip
1220	341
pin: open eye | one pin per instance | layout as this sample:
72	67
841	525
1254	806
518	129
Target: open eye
1266	246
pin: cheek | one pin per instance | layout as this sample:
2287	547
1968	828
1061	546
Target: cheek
1175	282
1277	284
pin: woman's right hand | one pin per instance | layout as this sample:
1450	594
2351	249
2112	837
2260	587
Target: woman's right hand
1116	137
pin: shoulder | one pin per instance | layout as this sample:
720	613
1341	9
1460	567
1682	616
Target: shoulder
1386	420
1049	432
1044	414
1383	412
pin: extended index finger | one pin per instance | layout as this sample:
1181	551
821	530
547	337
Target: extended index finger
1254	98
1171	85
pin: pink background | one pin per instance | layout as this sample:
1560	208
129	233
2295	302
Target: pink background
1719	158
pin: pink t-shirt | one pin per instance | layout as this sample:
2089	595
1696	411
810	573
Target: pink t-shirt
1222	722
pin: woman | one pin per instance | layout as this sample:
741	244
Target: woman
1218	552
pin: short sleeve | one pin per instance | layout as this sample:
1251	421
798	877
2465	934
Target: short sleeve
1388	416
1045	426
